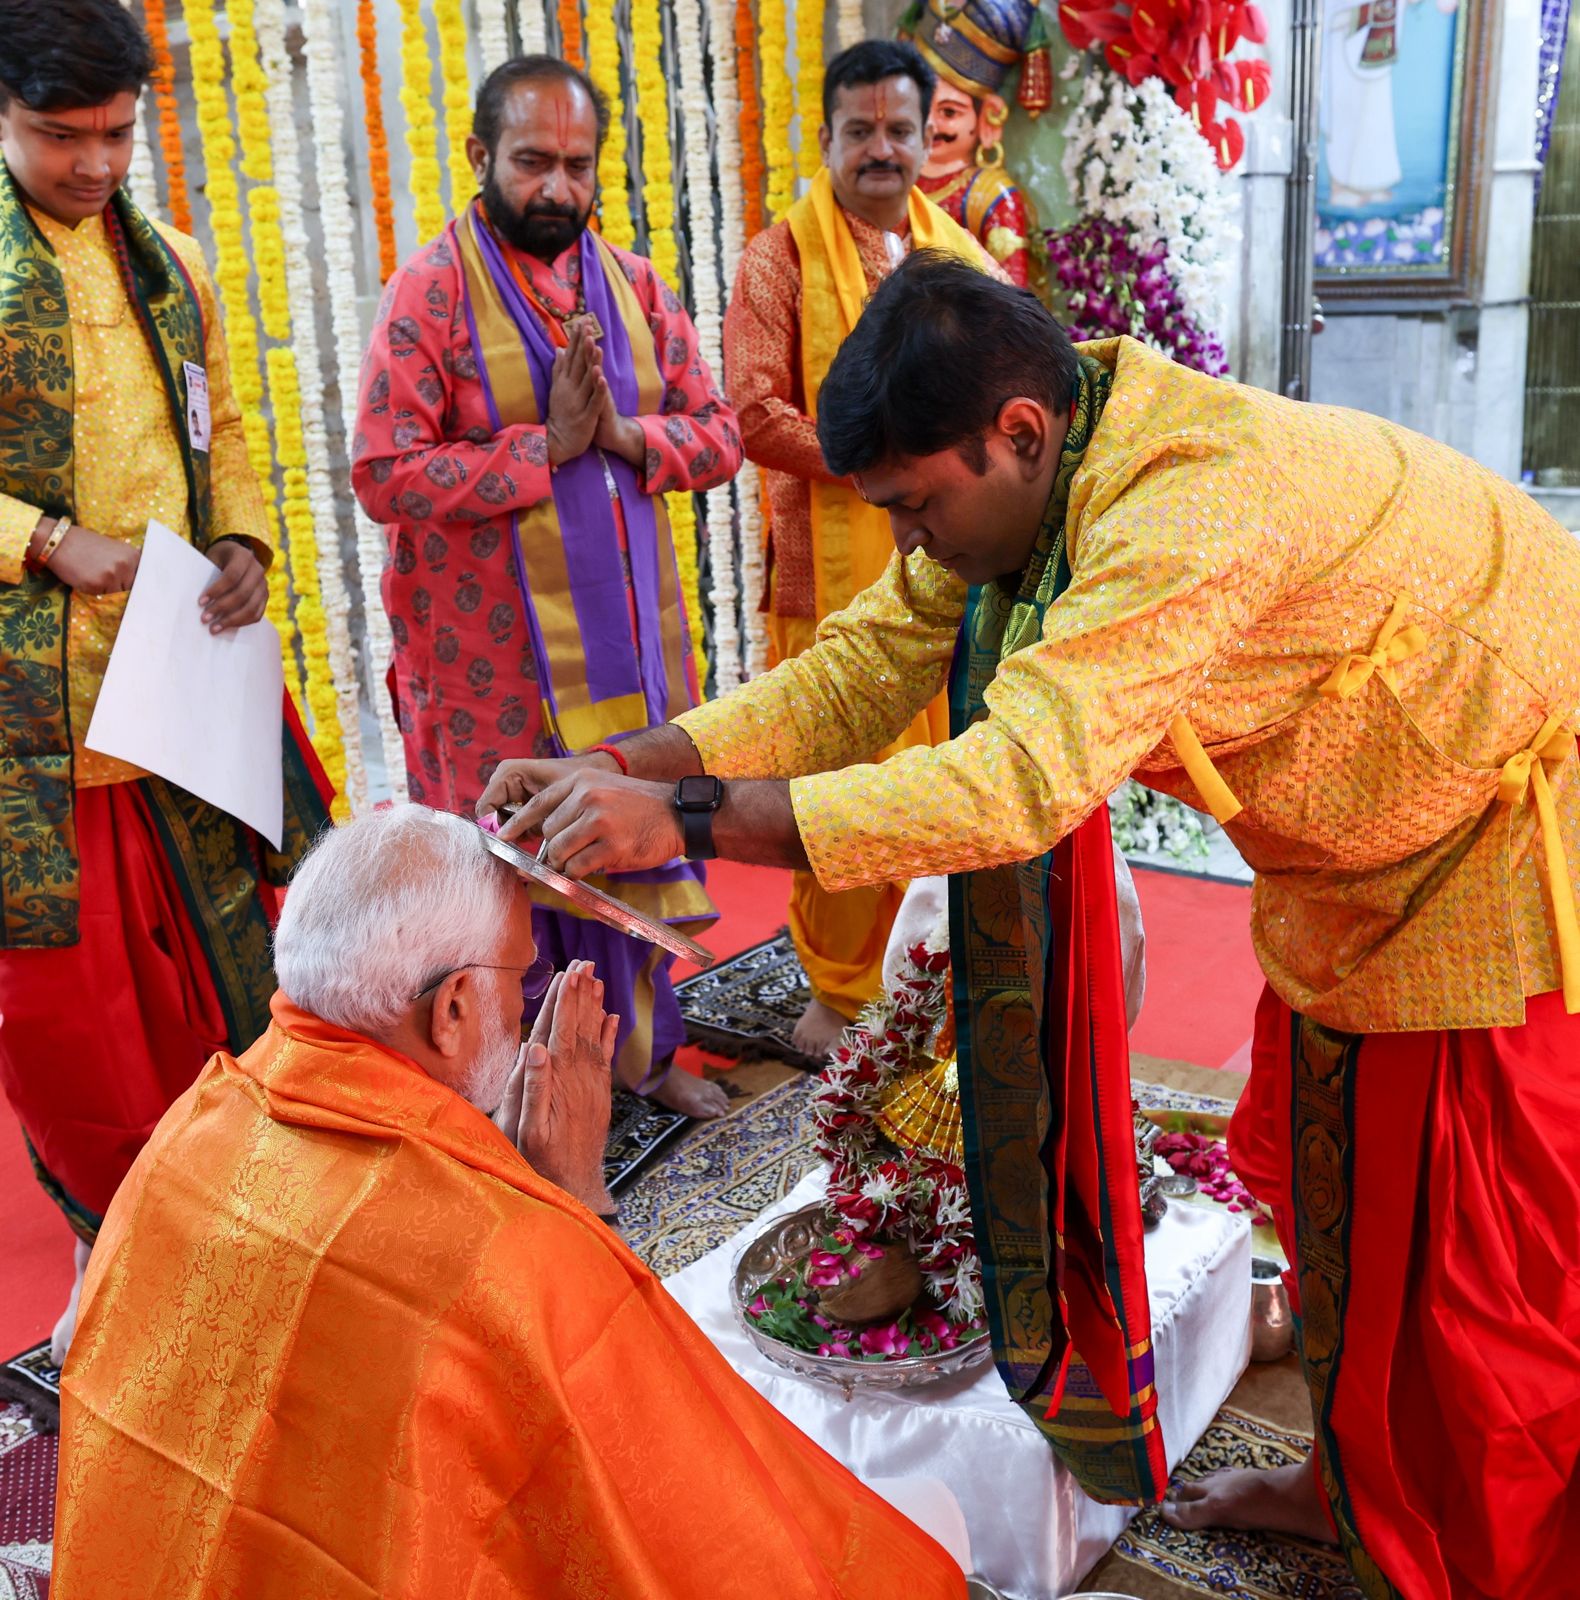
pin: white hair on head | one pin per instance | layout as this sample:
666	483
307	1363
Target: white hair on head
381	906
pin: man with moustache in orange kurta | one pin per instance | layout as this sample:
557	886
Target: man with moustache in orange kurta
345	1336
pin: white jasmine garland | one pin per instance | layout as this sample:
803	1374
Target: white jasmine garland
269	23
532	28
732	240
850	26
1133	157
323	83
493	31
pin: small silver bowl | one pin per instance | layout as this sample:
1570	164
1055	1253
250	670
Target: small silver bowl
776	1249
1272	1321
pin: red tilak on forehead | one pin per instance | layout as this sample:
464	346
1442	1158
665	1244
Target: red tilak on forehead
562	120
101	119
880	105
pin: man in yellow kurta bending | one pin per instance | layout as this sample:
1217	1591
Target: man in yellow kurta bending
1358	649
798	292
343	1335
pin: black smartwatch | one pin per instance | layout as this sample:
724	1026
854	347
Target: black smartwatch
696	799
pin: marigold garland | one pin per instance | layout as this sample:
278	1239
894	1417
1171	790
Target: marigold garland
378	140
658	169
422	129
232	277
164	85
751	117
603	63
778	108
457	99
569	16
320	38
250	87
322	611
809	83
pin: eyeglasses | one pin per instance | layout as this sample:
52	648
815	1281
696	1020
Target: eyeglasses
535	979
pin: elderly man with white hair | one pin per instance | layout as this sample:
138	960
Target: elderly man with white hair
346	1335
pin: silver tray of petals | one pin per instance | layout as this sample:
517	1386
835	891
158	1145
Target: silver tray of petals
790	1279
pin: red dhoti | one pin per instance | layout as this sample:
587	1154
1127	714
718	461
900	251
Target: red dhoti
1426	1187
100	1037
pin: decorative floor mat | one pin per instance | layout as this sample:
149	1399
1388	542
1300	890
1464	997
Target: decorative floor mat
1157	1562
32	1381
725	1173
638	1131
28	1455
749	1005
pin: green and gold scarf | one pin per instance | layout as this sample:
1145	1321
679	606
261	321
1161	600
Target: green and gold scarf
1045	1084
217	862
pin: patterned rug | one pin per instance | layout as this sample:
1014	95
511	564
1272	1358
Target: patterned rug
27	1503
638	1131
1156	1562
32	1381
724	1174
748	1006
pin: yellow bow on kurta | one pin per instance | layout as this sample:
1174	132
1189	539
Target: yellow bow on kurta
1524	774
1394	644
1198	766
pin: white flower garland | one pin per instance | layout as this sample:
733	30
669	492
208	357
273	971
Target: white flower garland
1132	156
732	239
706	303
269	25
532	27
850	26
321	49
493	32
140	177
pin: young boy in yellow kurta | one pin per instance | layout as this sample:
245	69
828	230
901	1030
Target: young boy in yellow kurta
1357	648
134	919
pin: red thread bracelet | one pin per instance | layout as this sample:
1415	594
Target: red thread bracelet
610	750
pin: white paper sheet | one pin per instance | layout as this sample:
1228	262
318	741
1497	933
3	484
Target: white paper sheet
200	709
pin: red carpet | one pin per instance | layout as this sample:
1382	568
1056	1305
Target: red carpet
1202	984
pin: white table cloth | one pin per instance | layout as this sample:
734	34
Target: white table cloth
1033	1532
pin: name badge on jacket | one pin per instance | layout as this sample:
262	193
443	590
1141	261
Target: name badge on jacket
200	428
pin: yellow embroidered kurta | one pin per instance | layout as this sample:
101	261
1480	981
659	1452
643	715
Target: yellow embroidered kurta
1230	550
129	465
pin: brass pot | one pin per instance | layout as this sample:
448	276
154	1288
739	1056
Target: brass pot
1272	1322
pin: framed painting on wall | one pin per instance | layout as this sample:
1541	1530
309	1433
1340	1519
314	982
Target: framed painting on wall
1401	161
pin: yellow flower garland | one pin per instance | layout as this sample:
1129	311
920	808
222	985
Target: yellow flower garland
658	170
231	276
809	82
603	63
250	88
778	107
457	99
285	395
416	81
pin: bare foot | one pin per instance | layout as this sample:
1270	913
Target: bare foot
690	1095
1272	1500
817	1030
60	1340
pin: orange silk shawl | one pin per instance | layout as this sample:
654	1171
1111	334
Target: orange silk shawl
339	1340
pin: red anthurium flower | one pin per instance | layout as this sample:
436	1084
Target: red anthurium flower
1200	99
1253	24
1153	22
1228	143
1227	84
1256	83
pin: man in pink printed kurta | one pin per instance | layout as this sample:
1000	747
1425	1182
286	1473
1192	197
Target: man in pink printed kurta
529	388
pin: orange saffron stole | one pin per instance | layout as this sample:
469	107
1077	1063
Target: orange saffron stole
378	142
337	1331
164	83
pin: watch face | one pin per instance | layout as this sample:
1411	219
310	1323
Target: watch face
699	792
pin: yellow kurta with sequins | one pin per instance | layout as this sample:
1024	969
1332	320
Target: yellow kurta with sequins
128	454
1230	550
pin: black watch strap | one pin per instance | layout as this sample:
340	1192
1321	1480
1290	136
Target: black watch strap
696	828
